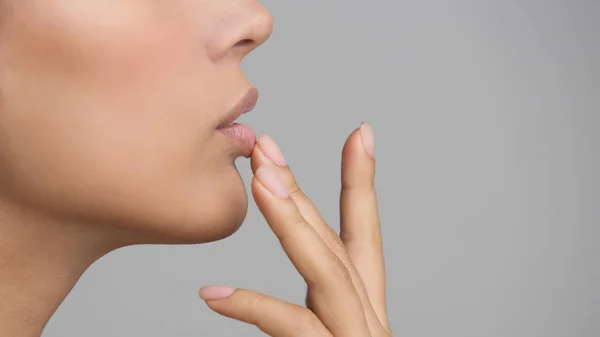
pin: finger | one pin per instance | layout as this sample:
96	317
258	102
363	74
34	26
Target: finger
337	304
360	228
272	316
267	152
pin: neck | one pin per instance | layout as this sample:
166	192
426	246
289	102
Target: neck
40	262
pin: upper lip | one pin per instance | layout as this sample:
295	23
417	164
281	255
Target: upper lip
244	105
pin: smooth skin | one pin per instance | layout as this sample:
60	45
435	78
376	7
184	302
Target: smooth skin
109	112
109	118
345	274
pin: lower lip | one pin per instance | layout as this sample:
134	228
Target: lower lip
242	135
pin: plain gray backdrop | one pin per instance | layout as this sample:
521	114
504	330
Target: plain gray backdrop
487	119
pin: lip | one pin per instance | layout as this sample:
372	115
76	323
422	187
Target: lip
242	136
244	105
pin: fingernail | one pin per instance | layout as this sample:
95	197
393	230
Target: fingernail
271	150
272	181
212	293
366	134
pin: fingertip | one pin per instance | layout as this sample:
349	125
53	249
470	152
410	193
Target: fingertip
271	150
351	142
358	167
256	159
272	181
359	147
368	139
215	293
355	145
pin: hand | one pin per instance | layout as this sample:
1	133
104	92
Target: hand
345	274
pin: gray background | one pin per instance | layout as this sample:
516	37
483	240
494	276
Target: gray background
486	115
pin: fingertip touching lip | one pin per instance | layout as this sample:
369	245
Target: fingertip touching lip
244	105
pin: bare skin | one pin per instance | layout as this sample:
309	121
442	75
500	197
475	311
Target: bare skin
345	274
110	112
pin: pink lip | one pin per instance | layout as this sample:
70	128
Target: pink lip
242	135
244	105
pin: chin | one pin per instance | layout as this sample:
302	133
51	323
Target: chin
212	212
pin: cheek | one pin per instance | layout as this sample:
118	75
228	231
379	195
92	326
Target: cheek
108	43
116	110
109	73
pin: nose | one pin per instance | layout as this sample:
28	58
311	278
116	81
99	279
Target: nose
244	27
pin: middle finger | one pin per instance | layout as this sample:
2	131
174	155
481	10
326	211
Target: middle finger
314	218
337	304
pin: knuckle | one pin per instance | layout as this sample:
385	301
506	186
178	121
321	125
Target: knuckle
341	273
375	237
290	181
368	235
362	187
295	230
253	302
307	321
335	242
294	188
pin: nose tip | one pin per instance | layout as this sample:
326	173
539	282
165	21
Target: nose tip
244	30
260	28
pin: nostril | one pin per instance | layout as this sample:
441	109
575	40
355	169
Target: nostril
245	43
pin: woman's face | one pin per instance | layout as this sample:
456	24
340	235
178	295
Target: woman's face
109	112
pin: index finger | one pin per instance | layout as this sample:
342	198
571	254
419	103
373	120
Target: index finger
336	302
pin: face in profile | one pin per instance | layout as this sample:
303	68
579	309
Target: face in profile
112	113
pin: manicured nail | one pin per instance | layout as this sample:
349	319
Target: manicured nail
272	181
366	134
271	150
212	293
